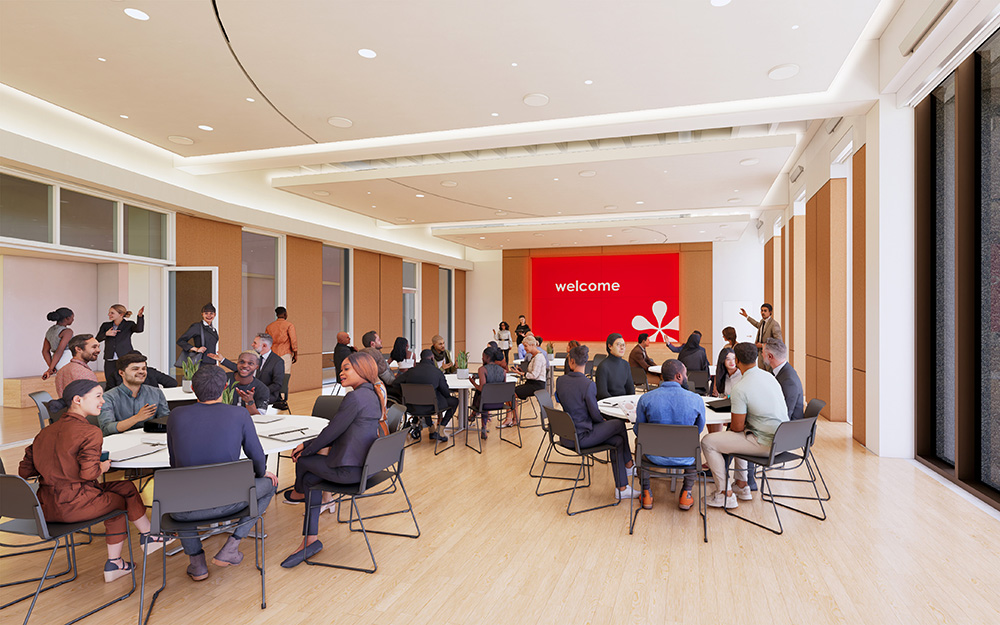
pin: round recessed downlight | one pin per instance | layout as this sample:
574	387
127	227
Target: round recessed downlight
734	200
339	122
449	183
783	72
795	26
555	180
610	235
321	193
588	82
513	64
179	140
558	212
747	162
123	116
720	3
588	173
736	190
640	202
420	195
251	100
494	114
102	59
206	128
366	53
701	232
536	99
482	238
510	198
136	14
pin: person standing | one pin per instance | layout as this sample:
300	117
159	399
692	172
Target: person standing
503	339
85	349
285	345
57	337
203	335
767	328
522	329
116	333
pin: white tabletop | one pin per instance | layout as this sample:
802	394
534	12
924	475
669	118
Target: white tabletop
657	368
457	385
624	408
310	426
555	362
177	394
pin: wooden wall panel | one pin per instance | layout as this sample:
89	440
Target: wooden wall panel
430	287
390	323
305	310
696	295
367	293
774	275
460	310
837	313
516	286
824	297
810	284
207	243
859	397
859	332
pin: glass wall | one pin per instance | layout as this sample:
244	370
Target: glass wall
87	221
335	272
410	304
25	211
145	232
444	306
260	284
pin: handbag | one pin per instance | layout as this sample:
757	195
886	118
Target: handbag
187	353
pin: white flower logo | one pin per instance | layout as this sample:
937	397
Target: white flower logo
659	312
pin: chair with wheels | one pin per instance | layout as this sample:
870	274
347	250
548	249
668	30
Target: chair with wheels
383	462
495	400
561	425
670	441
425	395
811	412
19	503
188	489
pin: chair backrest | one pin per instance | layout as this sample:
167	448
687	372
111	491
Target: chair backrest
543	398
588	369
638	376
561	354
698	381
41	398
326	406
792	435
813	409
597	359
19	501
419	395
671	441
3	471
394	416
384	452
496	393
561	425
186	489
283	393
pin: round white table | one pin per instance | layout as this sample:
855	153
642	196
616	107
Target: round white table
177	397
624	408
657	368
463	387
290	430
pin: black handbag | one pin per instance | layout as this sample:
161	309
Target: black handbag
187	353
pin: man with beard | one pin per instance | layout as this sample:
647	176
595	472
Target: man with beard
131	403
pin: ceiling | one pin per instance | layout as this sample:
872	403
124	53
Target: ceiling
447	98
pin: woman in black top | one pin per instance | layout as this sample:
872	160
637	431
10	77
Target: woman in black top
691	353
401	354
117	336
197	331
614	376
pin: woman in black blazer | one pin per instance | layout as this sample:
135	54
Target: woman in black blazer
117	333
197	331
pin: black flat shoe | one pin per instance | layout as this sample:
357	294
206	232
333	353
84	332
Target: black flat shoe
289	499
301	555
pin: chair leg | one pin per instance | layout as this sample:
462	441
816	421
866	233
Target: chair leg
163	584
408	508
470	421
371	554
451	443
569	504
69	567
772	497
517	427
765	494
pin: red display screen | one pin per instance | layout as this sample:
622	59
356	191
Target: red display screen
586	298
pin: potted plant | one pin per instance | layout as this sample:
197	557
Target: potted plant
228	393
462	364
550	351
189	368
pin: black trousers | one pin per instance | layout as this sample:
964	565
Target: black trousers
526	390
111	377
310	471
611	432
450	407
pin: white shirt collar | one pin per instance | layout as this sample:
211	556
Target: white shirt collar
779	367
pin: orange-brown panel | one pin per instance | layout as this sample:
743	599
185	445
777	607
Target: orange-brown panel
307	372
823	390
696	296
629	250
305	310
823	299
859	405
207	243
837	338
367	293
859	330
459	310
430	284
812	211
565	251
797	289
391	299
516	288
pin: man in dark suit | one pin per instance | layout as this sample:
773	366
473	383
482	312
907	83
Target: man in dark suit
426	372
342	350
776	356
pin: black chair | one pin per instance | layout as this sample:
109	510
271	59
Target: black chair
493	394
788	438
41	399
561	425
588	369
394	415
545	402
698	382
561	354
639	378
426	395
326	406
671	441
811	412
384	461
282	402
187	489
19	503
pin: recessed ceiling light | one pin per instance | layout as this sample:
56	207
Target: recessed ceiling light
734	200
795	26
749	161
720	3
449	183
321	193
102	59
412	220
588	173
538	234
701	232
736	190
558	212
555	179
368	54
179	140
482	238
574	242
783	72
136	14
510	197
373	206
251	100
580	230
536	99
588	82
513	64
610	235
610	207
640	202
420	195
206	128
495	114
369	193
340	122
123	116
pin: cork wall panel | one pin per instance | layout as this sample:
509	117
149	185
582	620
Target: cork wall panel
773	275
460	277
859	397
795	308
696	296
812	210
859	240
305	310
430	286
837	314
823	301
822	384
516	287
391	299
367	293
787	270
207	243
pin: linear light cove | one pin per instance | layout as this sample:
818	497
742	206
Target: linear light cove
571	287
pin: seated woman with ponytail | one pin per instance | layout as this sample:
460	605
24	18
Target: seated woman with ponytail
345	443
67	458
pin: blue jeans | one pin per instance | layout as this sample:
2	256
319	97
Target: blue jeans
190	540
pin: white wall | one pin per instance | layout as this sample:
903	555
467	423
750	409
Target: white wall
483	300
42	286
737	281
145	288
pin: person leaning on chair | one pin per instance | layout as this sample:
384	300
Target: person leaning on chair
211	432
578	397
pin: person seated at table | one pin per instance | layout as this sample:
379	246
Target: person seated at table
85	349
342	350
346	441
66	457
670	404
691	353
614	375
522	351
270	369
372	343
210	432
499	358
758	408
489	373
534	374
578	397
426	372
442	359
155	377
131	403
776	357
638	356
569	347
401	354
727	374
729	342
250	392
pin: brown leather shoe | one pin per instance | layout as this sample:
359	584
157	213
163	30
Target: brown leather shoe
647	500
198	568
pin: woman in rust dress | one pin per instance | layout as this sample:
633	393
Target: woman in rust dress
67	458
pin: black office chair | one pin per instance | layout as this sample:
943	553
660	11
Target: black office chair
495	400
41	399
811	412
698	382
282	401
19	503
670	441
384	461
789	437
394	416
545	402
561	354
426	395
187	489
561	425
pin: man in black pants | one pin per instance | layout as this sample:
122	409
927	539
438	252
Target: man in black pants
426	372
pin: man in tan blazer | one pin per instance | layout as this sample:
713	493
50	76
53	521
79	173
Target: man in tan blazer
767	328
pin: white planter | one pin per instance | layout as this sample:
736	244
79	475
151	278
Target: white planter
186	386
463	374
551	357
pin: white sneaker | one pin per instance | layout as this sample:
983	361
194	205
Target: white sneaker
632	471
628	493
718	499
743	494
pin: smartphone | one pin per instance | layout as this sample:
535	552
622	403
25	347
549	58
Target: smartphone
105	455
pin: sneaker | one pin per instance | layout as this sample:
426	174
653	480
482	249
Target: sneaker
647	500
631	472
686	500
719	500
743	494
628	493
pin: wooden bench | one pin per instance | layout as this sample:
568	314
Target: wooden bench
16	390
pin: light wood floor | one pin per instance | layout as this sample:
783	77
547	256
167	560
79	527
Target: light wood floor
898	547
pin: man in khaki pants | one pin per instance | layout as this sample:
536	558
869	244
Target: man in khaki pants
283	333
767	328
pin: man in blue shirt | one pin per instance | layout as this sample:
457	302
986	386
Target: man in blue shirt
132	402
672	405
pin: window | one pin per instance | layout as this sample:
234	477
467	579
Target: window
444	306
87	221
260	269
145	232
25	209
335	274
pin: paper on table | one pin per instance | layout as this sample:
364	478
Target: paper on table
136	451
266	418
154	439
293	435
